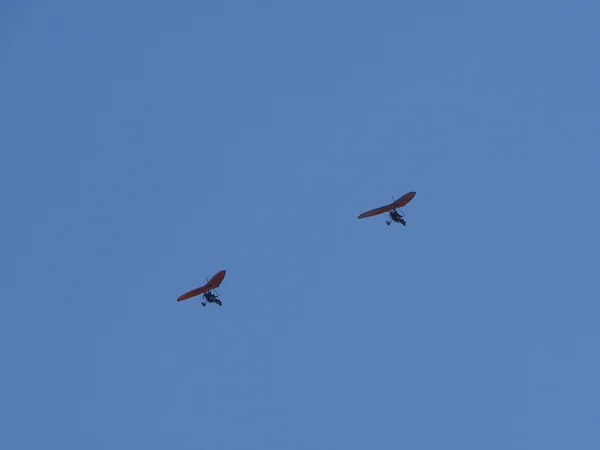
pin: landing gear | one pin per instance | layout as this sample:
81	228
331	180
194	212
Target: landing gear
396	217
209	297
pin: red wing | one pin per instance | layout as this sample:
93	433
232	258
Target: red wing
376	211
216	281
197	291
402	201
213	283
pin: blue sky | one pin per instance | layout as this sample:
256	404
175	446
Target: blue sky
146	146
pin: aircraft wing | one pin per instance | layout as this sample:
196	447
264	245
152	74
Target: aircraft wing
402	201
193	293
376	211
213	283
216	281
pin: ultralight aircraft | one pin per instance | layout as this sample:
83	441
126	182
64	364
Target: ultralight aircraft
395	216
209	296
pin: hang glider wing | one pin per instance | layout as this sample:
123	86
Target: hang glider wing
402	201
213	283
216	281
376	211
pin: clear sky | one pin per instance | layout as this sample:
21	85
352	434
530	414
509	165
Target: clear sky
146	145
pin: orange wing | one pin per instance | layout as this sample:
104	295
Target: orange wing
376	211
402	201
216	281
213	283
